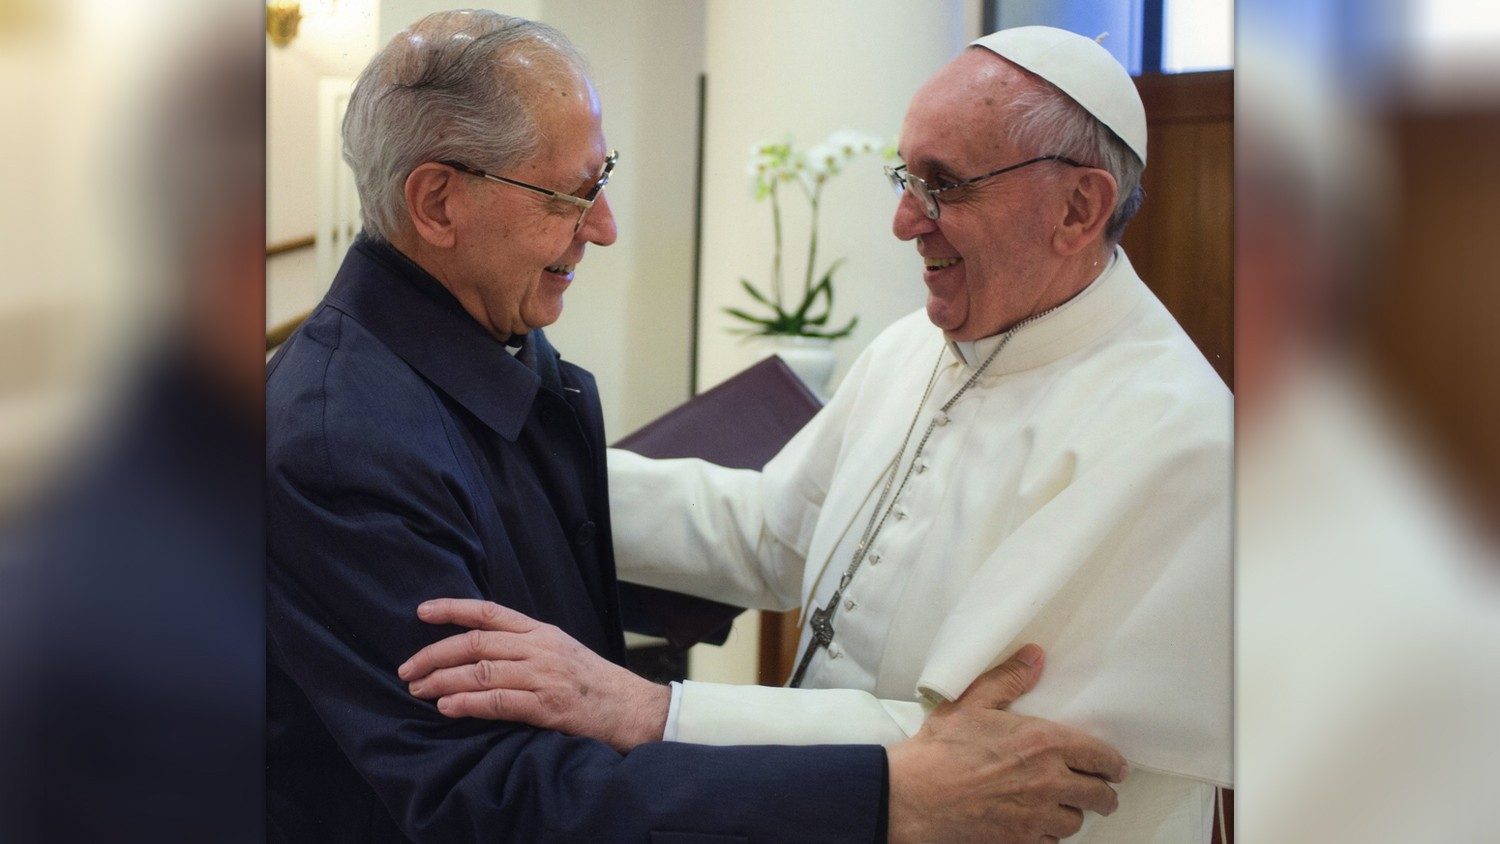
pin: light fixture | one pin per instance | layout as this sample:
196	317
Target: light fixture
281	21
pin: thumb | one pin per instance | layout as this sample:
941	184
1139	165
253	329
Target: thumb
1000	686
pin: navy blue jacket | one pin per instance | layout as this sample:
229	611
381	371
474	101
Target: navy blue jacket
410	456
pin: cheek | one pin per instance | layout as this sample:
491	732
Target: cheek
983	253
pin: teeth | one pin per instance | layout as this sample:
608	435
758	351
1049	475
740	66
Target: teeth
939	263
561	269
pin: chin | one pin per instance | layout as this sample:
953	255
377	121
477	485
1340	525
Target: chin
944	316
546	315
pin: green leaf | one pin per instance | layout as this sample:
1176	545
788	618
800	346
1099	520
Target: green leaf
755	294
824	287
828	276
808	301
739	314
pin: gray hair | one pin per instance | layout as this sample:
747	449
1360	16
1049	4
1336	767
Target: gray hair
1049	122
454	85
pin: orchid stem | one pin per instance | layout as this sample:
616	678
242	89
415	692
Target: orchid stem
776	231
812	243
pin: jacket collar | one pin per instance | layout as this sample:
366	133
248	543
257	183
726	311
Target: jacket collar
417	318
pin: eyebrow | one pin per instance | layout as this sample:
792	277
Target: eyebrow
586	175
930	165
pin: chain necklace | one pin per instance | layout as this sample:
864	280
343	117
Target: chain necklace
821	620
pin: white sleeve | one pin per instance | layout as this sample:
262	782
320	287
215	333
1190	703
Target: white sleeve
725	714
731	535
693	527
674	707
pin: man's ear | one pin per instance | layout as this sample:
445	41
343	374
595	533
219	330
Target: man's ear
1089	205
433	202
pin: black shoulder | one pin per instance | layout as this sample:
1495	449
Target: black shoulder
342	404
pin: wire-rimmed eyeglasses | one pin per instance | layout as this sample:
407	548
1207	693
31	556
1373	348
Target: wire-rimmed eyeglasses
584	202
918	187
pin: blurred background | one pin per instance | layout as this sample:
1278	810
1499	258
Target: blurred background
1368	594
154	150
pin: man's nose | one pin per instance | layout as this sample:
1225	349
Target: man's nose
911	218
599	224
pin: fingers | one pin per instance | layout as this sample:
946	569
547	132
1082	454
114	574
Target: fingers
462	649
999	687
474	613
1088	793
494	705
480	676
1088	755
1062	822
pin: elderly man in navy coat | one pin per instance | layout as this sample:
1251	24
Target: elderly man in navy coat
424	440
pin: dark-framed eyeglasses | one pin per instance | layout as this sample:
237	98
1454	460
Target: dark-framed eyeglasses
918	187
583	203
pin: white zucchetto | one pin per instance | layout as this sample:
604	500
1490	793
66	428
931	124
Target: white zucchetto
1083	69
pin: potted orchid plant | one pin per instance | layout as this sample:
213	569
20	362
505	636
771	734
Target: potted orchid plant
798	318
781	164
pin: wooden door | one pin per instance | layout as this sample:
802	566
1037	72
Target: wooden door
1182	241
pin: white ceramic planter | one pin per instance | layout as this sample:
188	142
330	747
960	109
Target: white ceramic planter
812	358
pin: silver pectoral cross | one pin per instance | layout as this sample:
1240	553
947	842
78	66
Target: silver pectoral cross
822	637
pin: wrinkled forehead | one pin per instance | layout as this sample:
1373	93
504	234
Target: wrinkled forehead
962	115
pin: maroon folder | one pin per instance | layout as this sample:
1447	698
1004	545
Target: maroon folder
742	423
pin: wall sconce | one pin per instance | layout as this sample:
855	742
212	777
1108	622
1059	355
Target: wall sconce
281	22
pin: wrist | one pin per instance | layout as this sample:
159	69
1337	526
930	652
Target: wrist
649	703
902	820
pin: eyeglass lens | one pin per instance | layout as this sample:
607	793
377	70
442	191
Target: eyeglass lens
597	189
903	180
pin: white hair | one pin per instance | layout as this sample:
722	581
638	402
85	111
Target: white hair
452	86
1049	122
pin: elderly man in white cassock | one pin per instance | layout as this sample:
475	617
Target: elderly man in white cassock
1041	456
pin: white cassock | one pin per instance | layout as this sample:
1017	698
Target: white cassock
1078	497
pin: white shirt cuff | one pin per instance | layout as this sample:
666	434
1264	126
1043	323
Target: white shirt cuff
673	708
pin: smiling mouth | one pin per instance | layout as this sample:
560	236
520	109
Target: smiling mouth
560	269
940	263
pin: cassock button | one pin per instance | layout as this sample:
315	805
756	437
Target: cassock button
874	558
834	651
585	534
921	466
849	604
900	513
941	418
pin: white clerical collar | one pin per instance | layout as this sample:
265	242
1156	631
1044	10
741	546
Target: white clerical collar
972	353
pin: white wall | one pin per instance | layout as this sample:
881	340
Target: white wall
292	285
